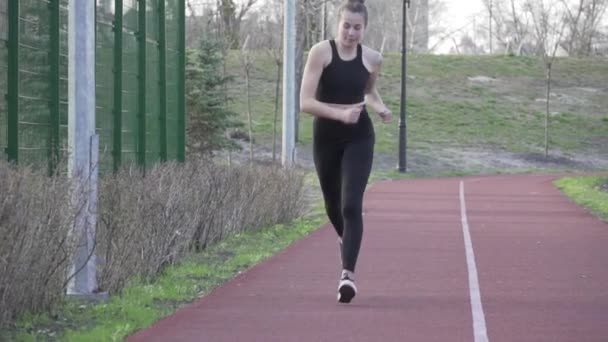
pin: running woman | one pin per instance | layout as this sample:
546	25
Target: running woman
338	85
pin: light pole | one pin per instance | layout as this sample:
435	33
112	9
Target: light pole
289	57
402	167
83	145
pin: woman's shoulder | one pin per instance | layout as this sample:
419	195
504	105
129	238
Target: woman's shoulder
371	55
322	51
323	45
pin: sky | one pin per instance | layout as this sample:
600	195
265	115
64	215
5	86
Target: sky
458	14
460	11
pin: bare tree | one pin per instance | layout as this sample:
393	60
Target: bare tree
277	56
309	20
247	64
549	24
447	35
468	46
490	8
513	27
583	21
274	48
307	10
436	23
202	20
384	28
519	25
232	16
301	46
417	26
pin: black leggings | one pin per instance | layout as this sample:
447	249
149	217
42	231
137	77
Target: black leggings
343	169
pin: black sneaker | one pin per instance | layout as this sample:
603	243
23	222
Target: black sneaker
346	289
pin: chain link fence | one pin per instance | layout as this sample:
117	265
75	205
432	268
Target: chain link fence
139	81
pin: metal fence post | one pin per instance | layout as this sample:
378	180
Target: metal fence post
12	96
83	144
54	86
118	68
141	93
162	80
181	84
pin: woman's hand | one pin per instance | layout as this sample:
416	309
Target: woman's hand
351	114
386	115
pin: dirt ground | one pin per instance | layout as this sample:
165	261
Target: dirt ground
452	160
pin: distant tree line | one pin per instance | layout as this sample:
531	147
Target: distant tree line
503	27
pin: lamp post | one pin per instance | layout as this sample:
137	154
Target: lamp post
402	167
83	147
289	65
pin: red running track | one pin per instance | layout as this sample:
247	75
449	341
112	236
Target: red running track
504	258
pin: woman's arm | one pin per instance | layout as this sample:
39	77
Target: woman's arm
373	98
317	58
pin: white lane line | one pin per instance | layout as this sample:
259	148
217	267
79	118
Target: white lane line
479	321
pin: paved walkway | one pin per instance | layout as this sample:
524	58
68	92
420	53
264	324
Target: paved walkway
505	258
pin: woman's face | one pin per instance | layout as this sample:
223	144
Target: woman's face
351	28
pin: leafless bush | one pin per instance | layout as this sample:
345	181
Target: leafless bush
35	251
146	223
140	223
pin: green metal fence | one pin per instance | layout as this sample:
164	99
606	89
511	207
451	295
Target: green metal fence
139	81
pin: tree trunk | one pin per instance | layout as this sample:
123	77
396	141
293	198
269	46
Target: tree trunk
276	111
247	67
249	114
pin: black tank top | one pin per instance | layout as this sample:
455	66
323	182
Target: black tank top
343	82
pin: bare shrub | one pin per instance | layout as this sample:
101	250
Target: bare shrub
146	223
35	251
142	223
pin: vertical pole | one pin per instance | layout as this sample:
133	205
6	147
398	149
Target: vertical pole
490	26
181	84
324	20
118	68
402	167
301	45
81	137
141	89
289	51
12	96
162	80
54	86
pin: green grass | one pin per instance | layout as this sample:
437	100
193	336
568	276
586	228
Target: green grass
446	109
590	192
140	304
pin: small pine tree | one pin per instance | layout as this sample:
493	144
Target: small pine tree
206	103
